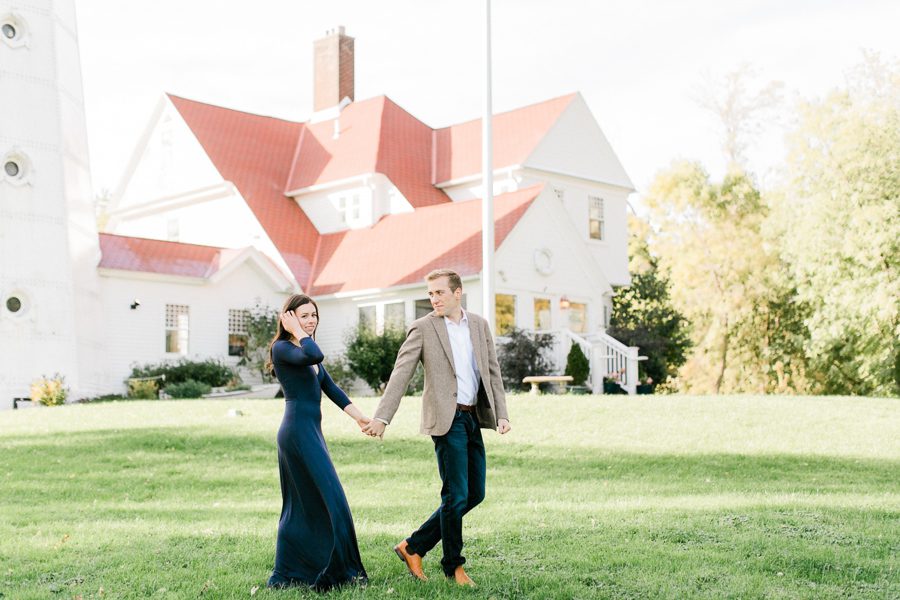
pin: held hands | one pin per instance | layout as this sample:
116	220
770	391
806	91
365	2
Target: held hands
291	323
503	426
375	428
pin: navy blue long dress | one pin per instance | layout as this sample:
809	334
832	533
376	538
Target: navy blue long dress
316	544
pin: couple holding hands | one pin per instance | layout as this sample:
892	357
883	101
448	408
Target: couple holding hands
316	545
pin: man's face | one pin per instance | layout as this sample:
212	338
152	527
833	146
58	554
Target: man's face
443	301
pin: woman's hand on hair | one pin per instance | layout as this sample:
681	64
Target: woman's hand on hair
291	323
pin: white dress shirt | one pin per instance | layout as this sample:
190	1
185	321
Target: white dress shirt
467	375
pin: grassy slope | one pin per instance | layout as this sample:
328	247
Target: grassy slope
587	498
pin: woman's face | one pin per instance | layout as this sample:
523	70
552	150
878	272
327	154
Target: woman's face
308	317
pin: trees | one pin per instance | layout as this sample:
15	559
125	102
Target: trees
643	314
727	280
839	215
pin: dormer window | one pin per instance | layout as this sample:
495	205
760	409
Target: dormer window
349	208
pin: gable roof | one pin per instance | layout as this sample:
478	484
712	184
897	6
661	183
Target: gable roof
254	153
516	133
156	256
266	158
126	253
373	136
403	248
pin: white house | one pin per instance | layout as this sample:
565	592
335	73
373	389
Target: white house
220	208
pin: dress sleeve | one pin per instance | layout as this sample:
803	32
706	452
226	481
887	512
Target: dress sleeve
331	389
306	354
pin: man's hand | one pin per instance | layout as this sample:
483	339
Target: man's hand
375	428
503	426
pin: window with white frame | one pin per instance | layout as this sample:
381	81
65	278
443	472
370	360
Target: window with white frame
541	314
237	332
367	318
395	316
177	328
578	317
595	218
505	312
349	207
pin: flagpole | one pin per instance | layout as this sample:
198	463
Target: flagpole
487	174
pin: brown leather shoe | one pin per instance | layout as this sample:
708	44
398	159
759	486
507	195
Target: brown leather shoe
413	561
460	577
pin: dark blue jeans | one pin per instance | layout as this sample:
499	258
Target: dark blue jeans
461	463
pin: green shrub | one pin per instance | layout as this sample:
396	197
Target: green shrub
211	371
577	365
261	322
340	372
143	389
49	391
523	354
188	389
371	356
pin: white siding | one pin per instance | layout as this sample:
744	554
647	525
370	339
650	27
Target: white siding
138	336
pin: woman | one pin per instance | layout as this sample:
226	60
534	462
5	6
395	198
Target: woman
316	544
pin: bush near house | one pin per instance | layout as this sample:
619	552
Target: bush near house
49	391
143	389
188	389
523	354
212	372
371	357
577	365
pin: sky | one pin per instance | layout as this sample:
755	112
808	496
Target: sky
640	64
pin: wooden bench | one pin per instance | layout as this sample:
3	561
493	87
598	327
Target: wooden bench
537	380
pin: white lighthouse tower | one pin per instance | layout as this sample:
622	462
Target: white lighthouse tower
50	319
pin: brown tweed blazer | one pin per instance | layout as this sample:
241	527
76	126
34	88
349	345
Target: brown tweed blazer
428	342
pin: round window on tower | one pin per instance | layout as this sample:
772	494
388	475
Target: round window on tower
16	168
13	30
15	304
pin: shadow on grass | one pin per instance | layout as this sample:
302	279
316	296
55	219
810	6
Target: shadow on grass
101	464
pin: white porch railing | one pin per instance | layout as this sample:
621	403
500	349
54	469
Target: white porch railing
608	358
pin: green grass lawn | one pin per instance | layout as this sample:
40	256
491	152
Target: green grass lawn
588	497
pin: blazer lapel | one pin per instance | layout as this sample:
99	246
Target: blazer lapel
477	344
441	329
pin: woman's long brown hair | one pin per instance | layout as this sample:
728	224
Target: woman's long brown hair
292	303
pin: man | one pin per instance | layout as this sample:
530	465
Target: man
463	393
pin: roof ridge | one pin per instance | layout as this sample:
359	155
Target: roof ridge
147	239
570	96
237	110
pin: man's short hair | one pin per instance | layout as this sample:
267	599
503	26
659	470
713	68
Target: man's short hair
452	276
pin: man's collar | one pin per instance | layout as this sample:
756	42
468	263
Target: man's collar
463	319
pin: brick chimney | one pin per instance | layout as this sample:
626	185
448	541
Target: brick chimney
333	56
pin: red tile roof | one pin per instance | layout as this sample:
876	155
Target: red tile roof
515	136
156	256
255	154
375	136
266	157
403	248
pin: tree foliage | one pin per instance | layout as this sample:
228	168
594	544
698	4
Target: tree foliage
371	356
643	314
839	215
261	322
577	365
523	354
